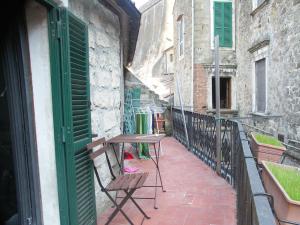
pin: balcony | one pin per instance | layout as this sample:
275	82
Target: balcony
196	195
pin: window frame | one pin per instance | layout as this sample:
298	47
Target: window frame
181	34
258	6
230	94
212	28
257	56
256	86
209	99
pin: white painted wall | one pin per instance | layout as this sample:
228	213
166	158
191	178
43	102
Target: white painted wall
36	16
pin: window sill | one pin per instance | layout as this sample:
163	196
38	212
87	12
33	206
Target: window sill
224	48
259	7
265	115
260	114
223	111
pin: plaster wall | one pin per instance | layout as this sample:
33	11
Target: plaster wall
36	16
183	66
204	35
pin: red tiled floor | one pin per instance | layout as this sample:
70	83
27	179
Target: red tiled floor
195	194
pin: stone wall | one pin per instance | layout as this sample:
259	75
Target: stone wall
183	67
276	21
154	41
106	74
148	97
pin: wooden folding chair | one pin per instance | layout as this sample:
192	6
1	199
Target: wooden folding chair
128	183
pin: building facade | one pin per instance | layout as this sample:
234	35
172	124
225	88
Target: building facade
202	20
62	82
268	54
153	62
259	60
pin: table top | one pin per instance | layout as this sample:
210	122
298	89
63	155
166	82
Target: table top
137	138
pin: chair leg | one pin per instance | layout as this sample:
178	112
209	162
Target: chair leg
139	208
119	208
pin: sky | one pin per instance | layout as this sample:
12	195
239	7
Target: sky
139	3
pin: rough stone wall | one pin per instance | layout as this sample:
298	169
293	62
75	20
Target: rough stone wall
277	21
106	75
183	66
147	96
155	37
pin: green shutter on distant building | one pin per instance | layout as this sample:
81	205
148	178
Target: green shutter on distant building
223	23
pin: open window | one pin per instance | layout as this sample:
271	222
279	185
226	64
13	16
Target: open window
225	92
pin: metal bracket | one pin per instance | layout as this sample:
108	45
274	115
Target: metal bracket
58	29
63	133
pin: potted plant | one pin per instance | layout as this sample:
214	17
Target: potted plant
283	183
266	147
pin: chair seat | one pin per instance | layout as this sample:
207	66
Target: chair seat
127	182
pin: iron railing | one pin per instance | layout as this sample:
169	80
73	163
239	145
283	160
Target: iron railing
238	166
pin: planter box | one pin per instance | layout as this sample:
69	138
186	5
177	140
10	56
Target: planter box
285	207
265	151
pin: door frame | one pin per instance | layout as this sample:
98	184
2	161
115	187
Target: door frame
62	133
58	119
21	109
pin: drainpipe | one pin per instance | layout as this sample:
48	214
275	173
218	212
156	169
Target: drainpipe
193	53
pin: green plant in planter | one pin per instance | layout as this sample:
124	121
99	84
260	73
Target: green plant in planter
289	179
266	148
269	140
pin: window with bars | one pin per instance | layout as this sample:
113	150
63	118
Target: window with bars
223	23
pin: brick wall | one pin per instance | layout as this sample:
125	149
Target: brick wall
200	89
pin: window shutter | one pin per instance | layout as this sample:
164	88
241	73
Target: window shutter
77	110
218	21
223	23
227	24
260	71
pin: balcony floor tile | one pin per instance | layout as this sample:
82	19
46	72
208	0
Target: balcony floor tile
195	195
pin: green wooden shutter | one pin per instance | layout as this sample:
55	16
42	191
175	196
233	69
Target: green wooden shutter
223	23
77	111
227	25
218	21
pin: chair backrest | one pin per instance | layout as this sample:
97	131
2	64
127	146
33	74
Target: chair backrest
98	148
101	146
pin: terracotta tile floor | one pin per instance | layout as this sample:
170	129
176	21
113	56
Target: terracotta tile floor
195	194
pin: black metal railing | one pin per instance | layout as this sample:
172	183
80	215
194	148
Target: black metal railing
238	166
